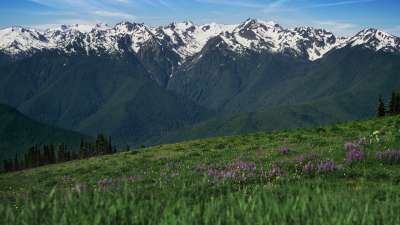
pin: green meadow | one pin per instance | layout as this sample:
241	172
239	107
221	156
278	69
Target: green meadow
346	173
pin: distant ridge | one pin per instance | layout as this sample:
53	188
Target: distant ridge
188	39
18	133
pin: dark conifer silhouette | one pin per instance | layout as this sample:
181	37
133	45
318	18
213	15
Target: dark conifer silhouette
46	154
393	104
381	108
397	105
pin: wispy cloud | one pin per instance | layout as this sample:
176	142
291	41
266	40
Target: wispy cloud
64	3
114	14
338	3
267	7
394	30
278	5
78	9
123	1
58	23
338	27
54	13
238	3
281	4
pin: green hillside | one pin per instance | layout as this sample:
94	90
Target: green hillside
250	82
268	119
18	133
113	95
146	98
302	176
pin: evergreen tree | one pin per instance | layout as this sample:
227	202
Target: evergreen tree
16	163
61	154
52	154
101	145
397	106
393	104
83	150
381	108
7	165
109	146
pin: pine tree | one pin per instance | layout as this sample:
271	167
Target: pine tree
61	153
16	163
52	154
83	150
109	146
381	108
393	104
6	165
397	105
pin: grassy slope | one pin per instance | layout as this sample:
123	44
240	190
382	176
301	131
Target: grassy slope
18	133
169	184
270	119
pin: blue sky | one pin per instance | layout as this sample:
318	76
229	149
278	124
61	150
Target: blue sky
344	17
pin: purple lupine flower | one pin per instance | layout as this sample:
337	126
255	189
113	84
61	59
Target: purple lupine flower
306	157
349	146
214	173
300	159
308	168
228	174
238	170
326	166
354	155
243	166
283	150
389	156
221	174
275	171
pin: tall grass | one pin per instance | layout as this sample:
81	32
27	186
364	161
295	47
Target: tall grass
230	180
260	204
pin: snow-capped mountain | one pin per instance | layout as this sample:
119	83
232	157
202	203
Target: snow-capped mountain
375	39
188	39
18	40
301	41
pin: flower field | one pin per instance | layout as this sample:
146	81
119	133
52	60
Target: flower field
340	174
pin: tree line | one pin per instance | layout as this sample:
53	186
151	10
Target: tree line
48	154
392	108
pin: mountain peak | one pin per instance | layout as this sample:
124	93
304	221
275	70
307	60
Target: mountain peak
256	22
183	26
374	32
187	39
375	39
129	25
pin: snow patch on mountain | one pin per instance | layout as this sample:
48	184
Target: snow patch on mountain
376	40
188	39
15	40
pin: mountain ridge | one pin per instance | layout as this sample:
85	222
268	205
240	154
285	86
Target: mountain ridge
137	83
187	39
18	133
